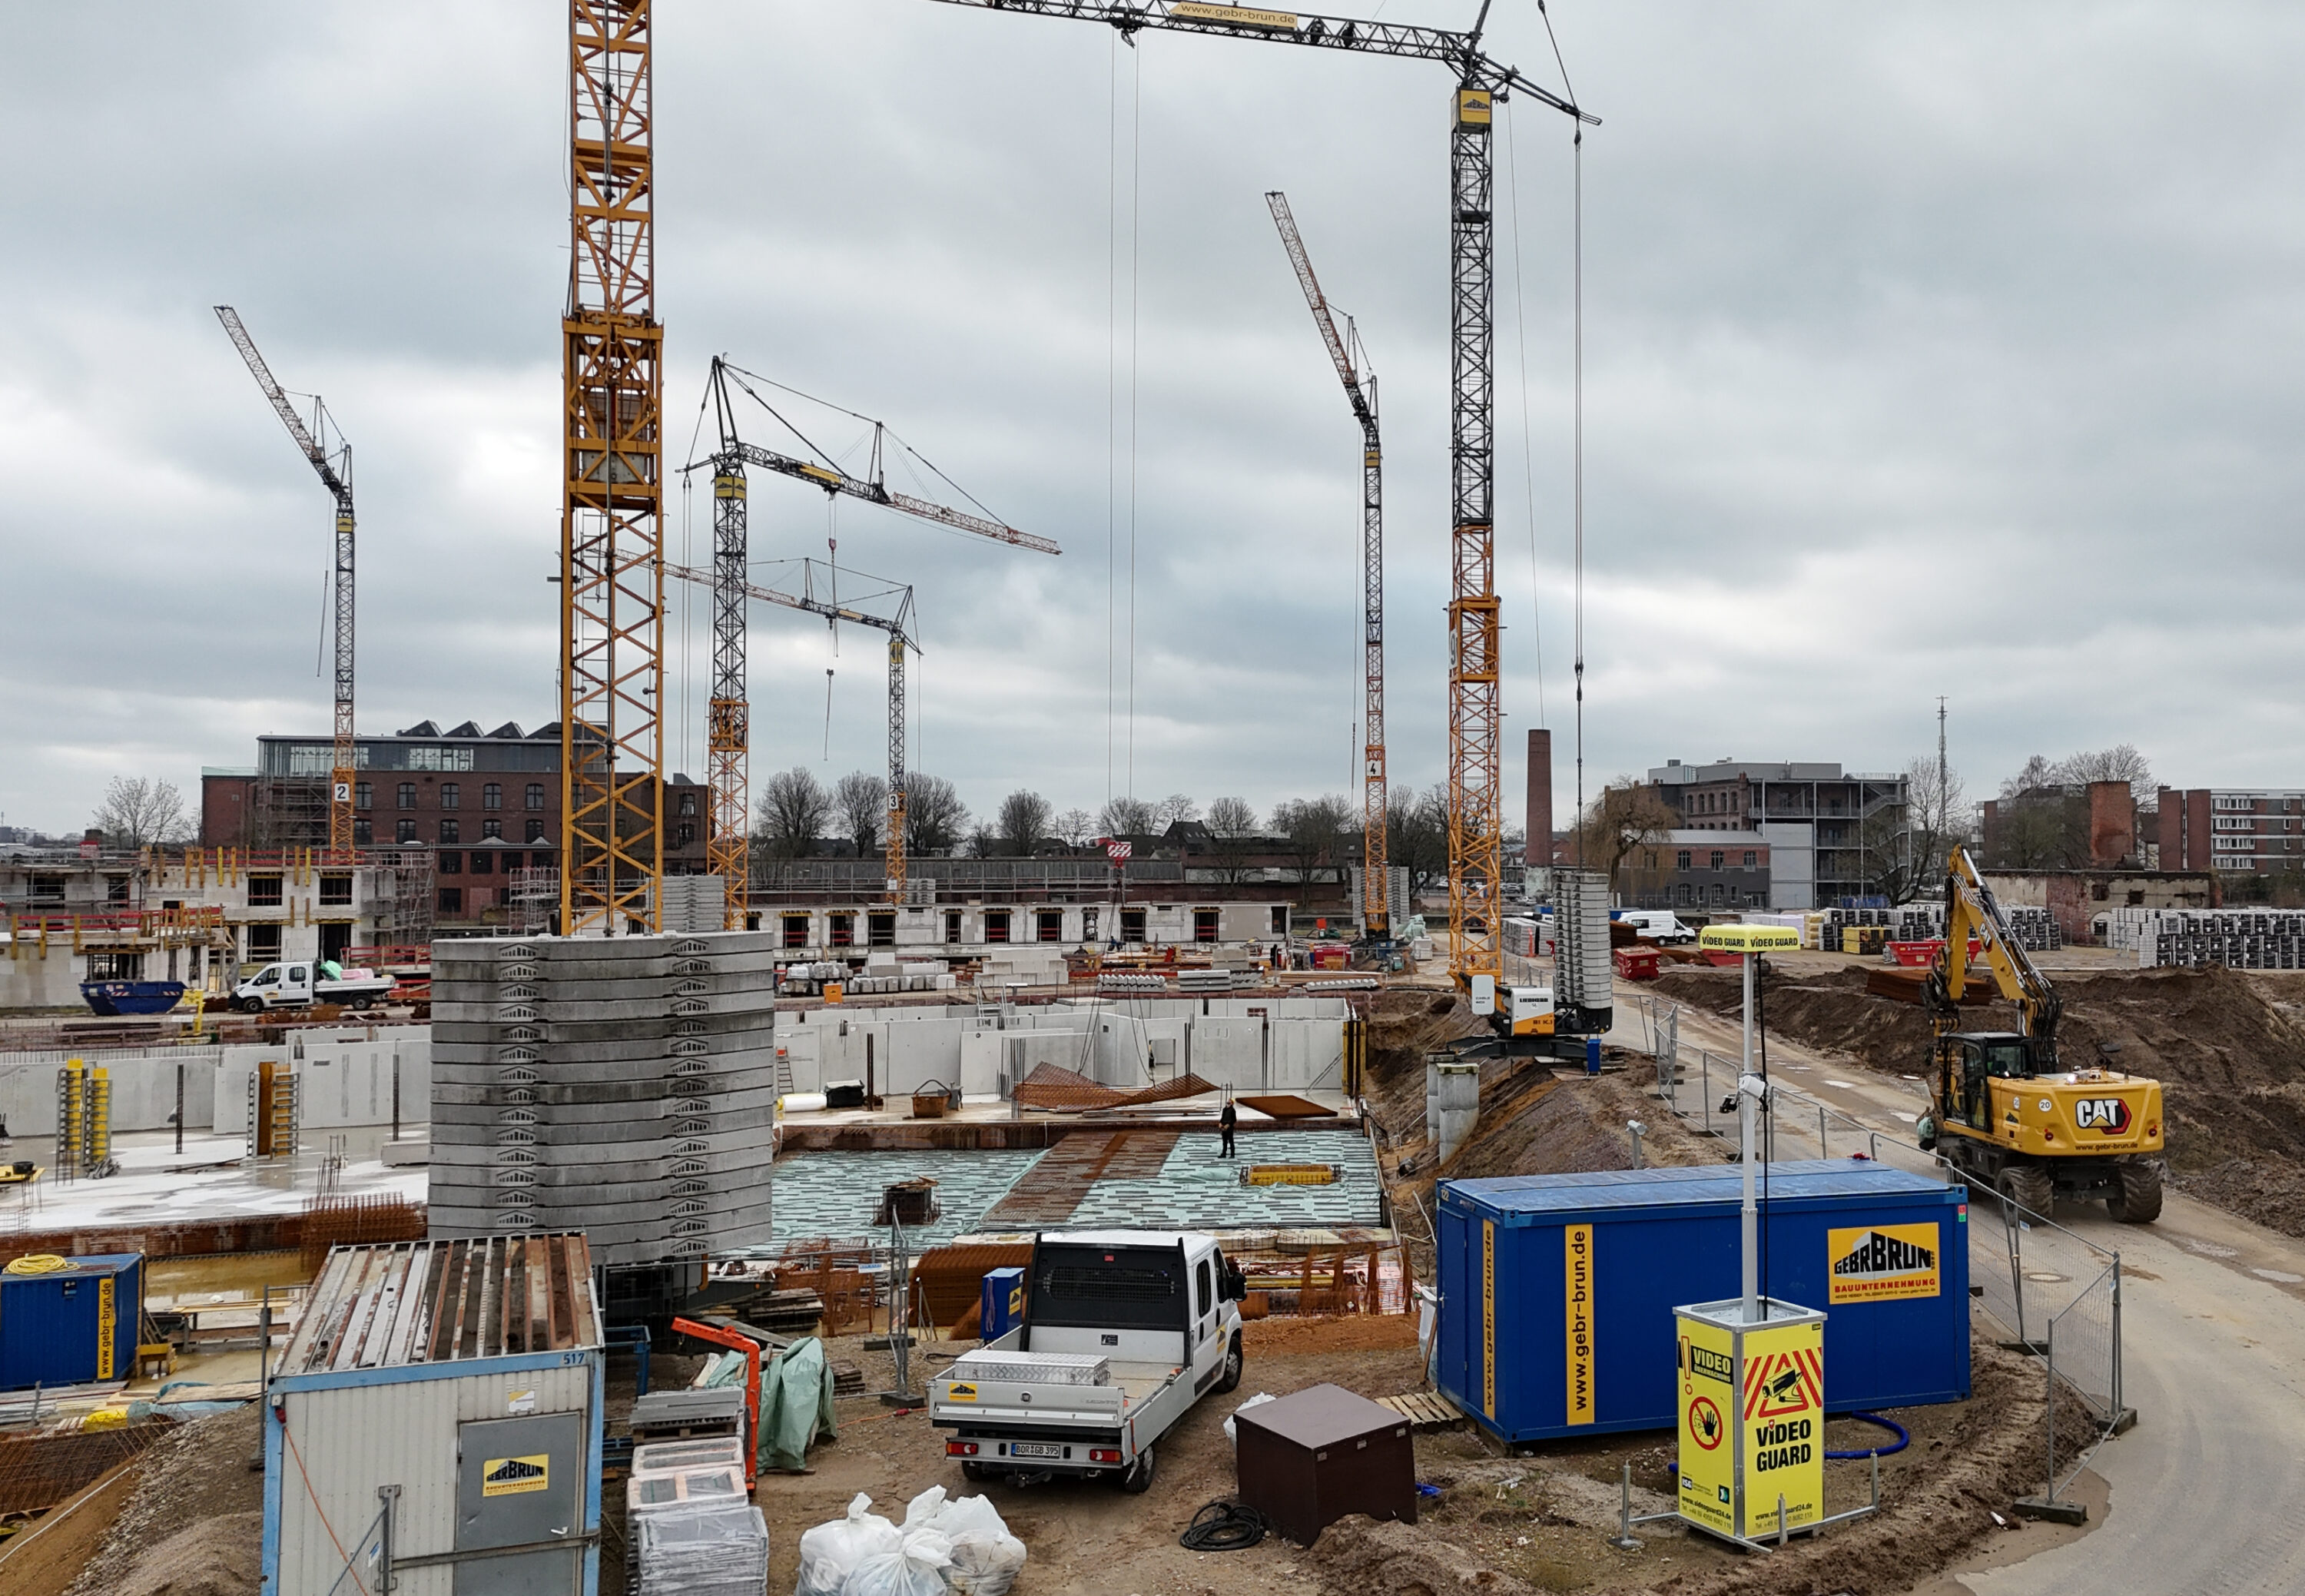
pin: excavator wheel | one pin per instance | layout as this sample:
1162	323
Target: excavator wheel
2138	1201
2028	1186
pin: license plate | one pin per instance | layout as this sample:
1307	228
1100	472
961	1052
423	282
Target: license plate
1034	1449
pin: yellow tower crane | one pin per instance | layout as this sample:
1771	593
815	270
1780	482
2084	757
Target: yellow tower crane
727	728
612	488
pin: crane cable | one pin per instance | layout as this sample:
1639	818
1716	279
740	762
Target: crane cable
1528	465
1577	143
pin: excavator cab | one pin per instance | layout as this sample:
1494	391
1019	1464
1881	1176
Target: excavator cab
1972	1058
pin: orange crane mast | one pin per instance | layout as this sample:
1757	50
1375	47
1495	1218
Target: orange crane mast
612	491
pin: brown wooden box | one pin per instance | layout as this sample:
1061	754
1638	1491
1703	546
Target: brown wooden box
1306	1460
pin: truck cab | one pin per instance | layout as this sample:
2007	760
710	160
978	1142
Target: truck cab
299	983
1122	1332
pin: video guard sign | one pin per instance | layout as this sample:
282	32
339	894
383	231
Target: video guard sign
1752	1419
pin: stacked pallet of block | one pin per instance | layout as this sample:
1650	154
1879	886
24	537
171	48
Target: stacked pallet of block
2236	938
624	1087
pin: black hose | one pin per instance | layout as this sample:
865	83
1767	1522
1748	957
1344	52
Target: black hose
1223	1526
1903	1438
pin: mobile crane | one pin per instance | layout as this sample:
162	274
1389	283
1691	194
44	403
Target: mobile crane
2003	1110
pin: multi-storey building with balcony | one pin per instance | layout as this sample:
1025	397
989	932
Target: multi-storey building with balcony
1821	826
2233	828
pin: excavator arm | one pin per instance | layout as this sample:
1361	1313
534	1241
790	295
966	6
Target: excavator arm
1970	911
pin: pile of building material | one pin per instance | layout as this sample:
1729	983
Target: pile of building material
2032	926
2236	938
1207	980
706	1548
624	1087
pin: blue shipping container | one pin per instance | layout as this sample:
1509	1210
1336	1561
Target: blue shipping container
1557	1292
71	1326
1002	1305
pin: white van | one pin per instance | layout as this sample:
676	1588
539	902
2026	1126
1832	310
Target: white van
1658	924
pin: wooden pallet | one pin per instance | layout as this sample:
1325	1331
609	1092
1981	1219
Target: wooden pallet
1423	1410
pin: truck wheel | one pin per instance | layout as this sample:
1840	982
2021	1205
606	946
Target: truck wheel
970	1469
1137	1479
2028	1186
251	1005
1231	1379
2138	1200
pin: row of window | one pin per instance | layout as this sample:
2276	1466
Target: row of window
449	831
1720	859
452	795
510	860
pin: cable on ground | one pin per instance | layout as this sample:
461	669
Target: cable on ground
1904	1438
1223	1526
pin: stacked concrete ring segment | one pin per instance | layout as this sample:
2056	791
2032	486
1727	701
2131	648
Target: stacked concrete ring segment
624	1086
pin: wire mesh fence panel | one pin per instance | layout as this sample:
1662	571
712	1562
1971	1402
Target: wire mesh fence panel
1667	1045
2085	1346
1996	1269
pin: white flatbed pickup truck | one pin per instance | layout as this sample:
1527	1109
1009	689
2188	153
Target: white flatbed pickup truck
1124	1331
298	984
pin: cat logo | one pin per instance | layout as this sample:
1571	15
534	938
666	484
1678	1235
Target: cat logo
960	1391
1882	1263
517	1476
2108	1115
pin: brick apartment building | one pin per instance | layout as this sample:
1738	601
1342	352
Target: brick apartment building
2232	829
482	804
1811	816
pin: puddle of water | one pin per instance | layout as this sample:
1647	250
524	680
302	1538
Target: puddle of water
2280	1275
2209	1248
1914	1119
1850	1085
2042	1275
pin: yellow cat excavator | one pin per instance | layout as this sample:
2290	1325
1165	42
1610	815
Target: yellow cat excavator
2003	1110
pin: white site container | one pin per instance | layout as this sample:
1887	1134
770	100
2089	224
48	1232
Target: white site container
405	1370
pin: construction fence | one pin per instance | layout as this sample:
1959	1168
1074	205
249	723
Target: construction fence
2044	1290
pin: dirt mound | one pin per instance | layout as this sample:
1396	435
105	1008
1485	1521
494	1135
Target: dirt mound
1405	1023
1361	1554
186	1531
2230	1061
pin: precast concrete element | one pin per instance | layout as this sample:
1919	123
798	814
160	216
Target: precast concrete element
624	1086
1456	1088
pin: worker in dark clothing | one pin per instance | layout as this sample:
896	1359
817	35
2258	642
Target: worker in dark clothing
1225	1124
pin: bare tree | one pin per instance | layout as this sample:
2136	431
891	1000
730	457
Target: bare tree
1316	831
1173	809
793	809
137	811
1073	827
1627	814
1024	820
1232	816
1125	817
2120	763
1232	837
861	800
984	843
1905	846
935	819
1416	834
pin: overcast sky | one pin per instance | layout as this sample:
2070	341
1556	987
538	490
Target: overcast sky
1950	350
